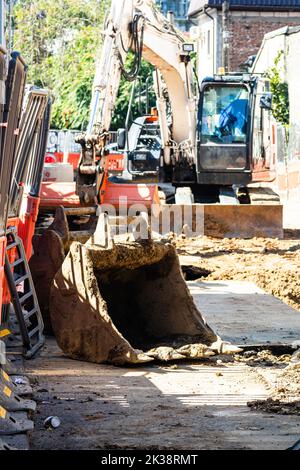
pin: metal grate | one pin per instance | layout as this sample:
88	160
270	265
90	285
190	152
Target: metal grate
10	118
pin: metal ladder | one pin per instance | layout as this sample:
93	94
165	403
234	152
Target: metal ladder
23	296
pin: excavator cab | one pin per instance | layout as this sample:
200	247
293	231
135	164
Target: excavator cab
232	113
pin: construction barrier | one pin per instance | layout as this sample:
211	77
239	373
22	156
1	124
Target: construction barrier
11	424
5	446
12	402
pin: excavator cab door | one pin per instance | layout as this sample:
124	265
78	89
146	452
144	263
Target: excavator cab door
224	124
264	129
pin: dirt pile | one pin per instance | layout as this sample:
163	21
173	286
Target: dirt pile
276	406
262	358
288	384
274	265
286	392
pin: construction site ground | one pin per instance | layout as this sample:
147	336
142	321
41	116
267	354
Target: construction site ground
249	401
272	264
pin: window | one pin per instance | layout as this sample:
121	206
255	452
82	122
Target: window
179	8
224	115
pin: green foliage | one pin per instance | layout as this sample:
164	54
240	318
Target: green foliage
280	90
123	99
59	41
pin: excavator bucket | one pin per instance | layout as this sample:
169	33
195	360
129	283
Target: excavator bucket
51	246
127	302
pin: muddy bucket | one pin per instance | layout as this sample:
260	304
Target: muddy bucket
123	303
50	248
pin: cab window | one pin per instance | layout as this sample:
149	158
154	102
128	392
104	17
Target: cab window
224	115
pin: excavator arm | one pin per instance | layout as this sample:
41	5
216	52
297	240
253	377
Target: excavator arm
138	26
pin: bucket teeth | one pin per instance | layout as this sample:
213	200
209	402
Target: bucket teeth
228	348
132	357
140	228
143	358
18	386
196	351
223	347
164	353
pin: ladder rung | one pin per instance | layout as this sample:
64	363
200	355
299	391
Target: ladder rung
11	246
30	322
27	315
21	279
16	263
34	331
25	297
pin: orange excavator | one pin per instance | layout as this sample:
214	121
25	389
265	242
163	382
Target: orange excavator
26	124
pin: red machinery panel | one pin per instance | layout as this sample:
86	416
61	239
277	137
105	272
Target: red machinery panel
12	222
2	255
28	217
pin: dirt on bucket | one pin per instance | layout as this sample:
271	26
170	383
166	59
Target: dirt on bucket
128	303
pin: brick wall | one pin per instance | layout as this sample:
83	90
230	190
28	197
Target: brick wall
246	35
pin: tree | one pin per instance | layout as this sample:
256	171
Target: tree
280	90
59	42
123	99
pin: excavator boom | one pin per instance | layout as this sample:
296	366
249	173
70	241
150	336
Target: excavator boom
139	27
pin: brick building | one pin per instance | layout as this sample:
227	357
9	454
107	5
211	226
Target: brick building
248	22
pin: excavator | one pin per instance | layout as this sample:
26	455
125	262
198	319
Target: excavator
122	299
219	150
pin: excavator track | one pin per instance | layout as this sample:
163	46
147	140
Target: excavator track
262	196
